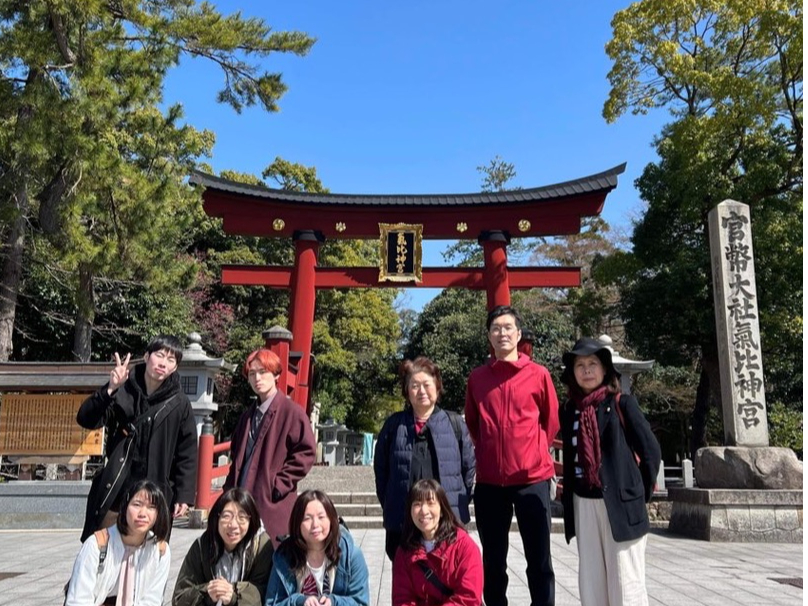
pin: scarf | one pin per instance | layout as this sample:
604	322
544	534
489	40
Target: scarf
589	435
126	579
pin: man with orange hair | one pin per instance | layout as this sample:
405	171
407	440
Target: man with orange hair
272	447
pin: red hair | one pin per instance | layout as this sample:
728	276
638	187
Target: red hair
268	359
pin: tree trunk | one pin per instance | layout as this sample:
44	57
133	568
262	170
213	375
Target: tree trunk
85	316
11	277
708	395
14	246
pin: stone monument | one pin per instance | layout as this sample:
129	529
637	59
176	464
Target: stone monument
747	491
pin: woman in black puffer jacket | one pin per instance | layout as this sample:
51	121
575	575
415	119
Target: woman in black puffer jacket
422	442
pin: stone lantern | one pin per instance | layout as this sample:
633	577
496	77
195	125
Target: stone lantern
197	373
627	368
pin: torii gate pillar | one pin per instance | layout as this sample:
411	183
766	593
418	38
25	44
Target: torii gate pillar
301	305
495	254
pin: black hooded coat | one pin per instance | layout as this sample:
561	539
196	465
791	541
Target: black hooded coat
147	437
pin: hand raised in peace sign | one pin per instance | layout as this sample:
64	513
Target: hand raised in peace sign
119	374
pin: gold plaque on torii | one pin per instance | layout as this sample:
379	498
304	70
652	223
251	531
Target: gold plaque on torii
45	424
400	252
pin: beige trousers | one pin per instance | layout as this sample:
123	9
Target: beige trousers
610	573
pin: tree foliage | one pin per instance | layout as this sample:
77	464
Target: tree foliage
89	162
731	75
593	305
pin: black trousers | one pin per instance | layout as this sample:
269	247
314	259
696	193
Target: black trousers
494	507
392	540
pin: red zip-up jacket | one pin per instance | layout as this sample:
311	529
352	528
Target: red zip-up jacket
458	566
512	416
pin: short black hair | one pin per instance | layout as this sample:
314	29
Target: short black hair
503	310
168	343
162	524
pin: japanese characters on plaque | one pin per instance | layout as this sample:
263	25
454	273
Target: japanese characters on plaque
45	424
737	325
400	252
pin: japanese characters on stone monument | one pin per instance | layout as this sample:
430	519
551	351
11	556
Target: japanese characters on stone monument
736	316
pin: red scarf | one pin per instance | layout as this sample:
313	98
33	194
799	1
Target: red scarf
589	435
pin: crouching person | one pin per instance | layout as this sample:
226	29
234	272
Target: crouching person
126	564
318	564
438	562
230	562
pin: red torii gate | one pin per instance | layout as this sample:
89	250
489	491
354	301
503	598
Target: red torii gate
309	218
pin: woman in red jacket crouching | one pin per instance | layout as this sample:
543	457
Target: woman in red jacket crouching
438	562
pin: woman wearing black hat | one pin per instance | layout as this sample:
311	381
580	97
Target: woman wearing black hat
606	486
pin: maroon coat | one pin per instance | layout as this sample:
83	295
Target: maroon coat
284	453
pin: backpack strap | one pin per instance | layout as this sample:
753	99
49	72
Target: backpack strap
433	578
623	425
619	410
102	538
454	420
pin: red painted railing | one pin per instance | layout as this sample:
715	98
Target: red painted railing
207	469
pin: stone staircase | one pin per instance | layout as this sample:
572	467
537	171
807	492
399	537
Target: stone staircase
353	490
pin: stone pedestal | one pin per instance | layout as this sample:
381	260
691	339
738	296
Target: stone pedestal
759	468
753	516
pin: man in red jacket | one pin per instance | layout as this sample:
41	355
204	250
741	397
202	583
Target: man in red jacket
512	416
272	447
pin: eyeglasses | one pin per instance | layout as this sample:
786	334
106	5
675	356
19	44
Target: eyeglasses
416	387
502	328
228	517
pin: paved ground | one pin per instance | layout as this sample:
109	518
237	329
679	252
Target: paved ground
34	566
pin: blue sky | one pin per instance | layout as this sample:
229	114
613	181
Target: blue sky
410	97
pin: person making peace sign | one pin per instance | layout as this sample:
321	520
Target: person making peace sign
150	433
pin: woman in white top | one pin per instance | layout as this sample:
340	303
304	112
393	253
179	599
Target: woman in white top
136	559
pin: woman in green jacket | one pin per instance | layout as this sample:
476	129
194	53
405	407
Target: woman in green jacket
230	563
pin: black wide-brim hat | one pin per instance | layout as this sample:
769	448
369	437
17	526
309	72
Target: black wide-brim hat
588	347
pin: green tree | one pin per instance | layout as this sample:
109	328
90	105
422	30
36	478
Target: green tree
88	160
593	305
731	75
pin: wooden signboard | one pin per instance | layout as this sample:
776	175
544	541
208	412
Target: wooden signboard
45	424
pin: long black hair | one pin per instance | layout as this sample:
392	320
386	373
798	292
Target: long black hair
425	490
162	523
295	547
244	500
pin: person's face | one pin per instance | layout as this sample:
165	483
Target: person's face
423	392
141	513
504	336
589	373
315	526
160	365
262	381
426	516
233	525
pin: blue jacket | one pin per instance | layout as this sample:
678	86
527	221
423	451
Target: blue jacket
393	458
350	585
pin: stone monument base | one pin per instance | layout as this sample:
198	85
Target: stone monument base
737	515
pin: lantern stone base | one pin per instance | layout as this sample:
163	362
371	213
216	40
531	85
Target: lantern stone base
737	515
